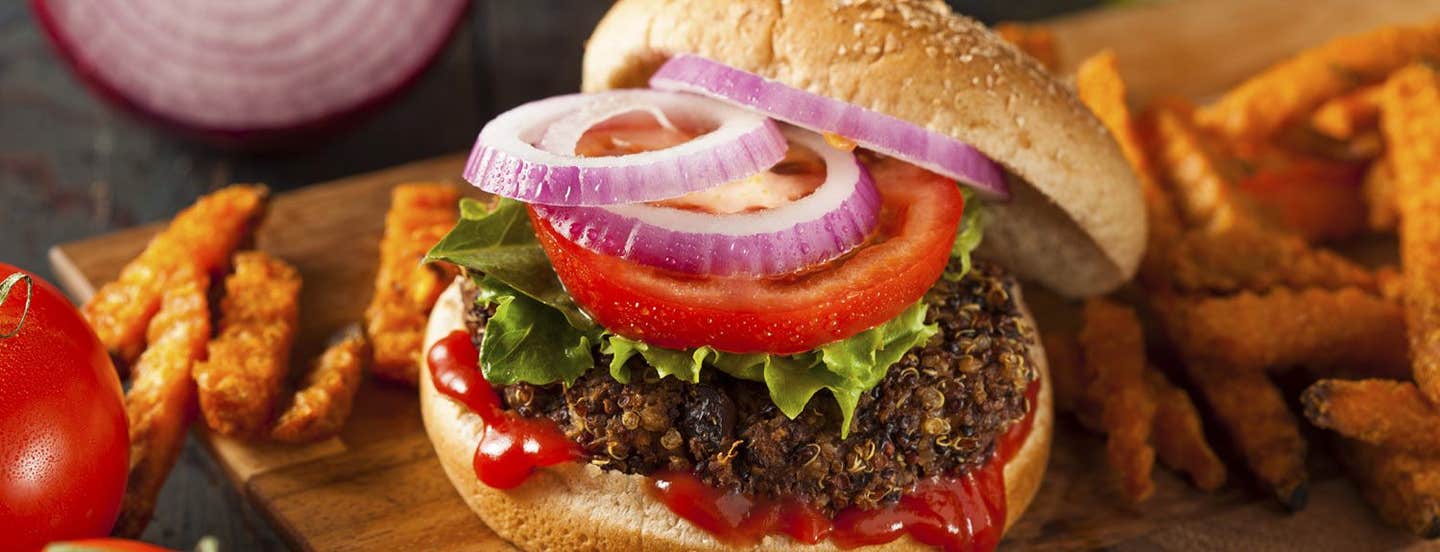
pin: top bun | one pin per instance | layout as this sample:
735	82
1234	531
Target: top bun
1075	223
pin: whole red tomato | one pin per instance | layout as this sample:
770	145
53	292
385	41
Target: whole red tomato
64	447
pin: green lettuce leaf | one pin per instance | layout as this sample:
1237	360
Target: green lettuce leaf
530	341
847	368
500	243
972	229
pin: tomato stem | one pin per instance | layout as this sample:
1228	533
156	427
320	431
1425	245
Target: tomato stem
5	286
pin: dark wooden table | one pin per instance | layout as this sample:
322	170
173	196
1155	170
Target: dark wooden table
71	167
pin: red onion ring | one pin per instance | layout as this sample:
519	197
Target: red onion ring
239	73
505	161
873	130
835	218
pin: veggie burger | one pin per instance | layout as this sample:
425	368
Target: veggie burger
757	285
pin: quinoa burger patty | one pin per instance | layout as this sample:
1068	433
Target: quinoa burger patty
936	412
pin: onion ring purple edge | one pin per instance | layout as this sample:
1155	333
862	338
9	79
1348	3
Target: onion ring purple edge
873	130
505	161
612	231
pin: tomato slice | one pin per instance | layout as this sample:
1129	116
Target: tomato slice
920	212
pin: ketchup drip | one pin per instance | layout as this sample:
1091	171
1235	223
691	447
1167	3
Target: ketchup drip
511	447
965	512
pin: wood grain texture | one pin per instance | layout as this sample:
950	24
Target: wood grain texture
378	486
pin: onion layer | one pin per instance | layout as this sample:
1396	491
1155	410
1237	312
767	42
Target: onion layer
506	162
253	71
832	220
873	130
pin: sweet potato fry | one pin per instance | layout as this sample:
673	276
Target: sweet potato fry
405	290
1179	438
1391	414
1285	328
1253	413
1255	259
1411	122
1201	190
1380	201
1318	199
1404	487
323	403
161	401
1103	91
1343	116
1036	40
1072	379
1115	349
1289	90
205	234
240	382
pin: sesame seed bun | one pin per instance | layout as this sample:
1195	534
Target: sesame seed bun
1075	224
581	507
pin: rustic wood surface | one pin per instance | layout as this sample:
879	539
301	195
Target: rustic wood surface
70	167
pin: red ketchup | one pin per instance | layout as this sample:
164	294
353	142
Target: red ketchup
512	447
964	512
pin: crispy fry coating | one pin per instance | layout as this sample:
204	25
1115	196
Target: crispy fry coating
1179	438
161	401
249	358
1318	199
1291	89
1404	487
1201	189
405	290
1255	259
1115	349
1103	91
1411	123
323	403
1285	328
1392	414
204	234
1380	200
1343	116
1253	412
1036	40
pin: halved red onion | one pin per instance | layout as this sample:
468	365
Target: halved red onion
873	130
252	72
835	218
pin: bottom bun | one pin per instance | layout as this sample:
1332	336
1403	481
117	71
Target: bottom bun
579	506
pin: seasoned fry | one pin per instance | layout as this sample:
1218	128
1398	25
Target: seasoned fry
405	290
161	400
1115	349
1379	192
249	358
1404	487
205	234
1343	116
1411	123
1318	199
1253	412
1258	260
1103	91
1178	436
1291	89
1036	40
321	406
1072	379
1392	414
1285	328
1201	190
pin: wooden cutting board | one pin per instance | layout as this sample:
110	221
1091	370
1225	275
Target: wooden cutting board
379	486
